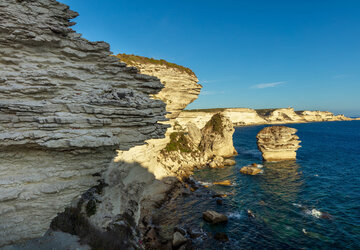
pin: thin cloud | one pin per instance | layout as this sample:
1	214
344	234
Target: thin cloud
267	85
341	76
211	92
208	81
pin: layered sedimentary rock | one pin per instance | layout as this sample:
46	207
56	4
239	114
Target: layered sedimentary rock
140	177
246	117
278	143
314	116
65	107
181	83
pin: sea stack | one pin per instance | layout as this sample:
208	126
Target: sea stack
278	143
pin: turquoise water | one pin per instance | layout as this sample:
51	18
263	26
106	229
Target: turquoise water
286	198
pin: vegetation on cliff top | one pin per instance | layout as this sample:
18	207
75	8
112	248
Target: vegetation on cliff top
178	142
215	124
134	59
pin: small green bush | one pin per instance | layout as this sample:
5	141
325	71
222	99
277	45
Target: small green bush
215	123
178	142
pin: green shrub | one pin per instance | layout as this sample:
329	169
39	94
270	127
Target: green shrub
215	124
178	142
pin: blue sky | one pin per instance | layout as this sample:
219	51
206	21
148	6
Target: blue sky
254	53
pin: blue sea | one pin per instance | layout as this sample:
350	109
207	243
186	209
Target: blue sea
310	203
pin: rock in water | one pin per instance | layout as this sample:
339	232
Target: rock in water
250	170
223	183
278	143
214	217
178	239
229	162
221	237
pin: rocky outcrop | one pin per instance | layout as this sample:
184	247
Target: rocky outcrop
65	107
139	179
278	143
181	83
247	117
214	217
252	169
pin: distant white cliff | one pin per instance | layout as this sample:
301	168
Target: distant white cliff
245	117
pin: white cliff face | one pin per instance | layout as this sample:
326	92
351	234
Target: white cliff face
246	117
65	107
311	116
286	115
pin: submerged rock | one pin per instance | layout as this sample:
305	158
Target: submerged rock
221	237
278	143
214	217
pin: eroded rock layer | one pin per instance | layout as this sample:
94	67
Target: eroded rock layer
140	177
278	143
65	106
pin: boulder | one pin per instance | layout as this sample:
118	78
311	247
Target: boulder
178	239
250	170
214	217
278	143
229	162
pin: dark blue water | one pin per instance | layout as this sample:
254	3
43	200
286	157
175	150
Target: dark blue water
325	177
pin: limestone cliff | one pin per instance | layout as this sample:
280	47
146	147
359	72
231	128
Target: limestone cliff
278	143
140	177
246	117
65	106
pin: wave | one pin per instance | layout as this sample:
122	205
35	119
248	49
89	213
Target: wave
235	215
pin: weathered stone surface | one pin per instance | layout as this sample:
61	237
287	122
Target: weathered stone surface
214	217
250	170
217	136
65	107
229	162
178	239
140	177
278	143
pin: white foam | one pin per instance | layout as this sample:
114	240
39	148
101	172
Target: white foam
297	205
313	212
235	215
204	183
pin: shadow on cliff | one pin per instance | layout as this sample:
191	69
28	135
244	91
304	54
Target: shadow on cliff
117	213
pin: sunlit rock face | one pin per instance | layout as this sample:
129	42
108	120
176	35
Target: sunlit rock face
65	107
278	143
180	89
140	177
316	116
